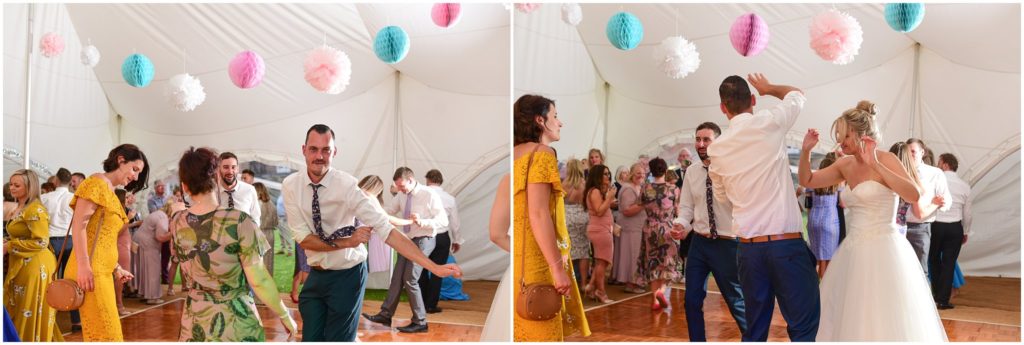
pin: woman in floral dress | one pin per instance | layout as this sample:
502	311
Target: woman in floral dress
31	264
220	252
659	255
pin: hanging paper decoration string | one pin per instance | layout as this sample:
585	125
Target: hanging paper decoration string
185	92
527	7
904	17
572	14
446	15
749	34
246	69
836	36
391	44
137	70
677	57
90	56
51	44
625	31
328	70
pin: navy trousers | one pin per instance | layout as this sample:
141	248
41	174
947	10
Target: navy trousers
717	257
330	303
782	270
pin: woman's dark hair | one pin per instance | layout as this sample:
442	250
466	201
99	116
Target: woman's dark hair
8	197
197	169
129	153
735	94
524	115
594	181
830	158
658	167
261	191
121	196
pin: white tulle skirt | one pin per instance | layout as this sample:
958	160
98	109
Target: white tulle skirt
875	290
498	326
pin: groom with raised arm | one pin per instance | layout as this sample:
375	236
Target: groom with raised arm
750	169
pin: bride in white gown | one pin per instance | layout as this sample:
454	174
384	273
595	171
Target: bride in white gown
874	288
498	327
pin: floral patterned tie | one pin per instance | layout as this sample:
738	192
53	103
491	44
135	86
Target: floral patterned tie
329	239
711	209
231	198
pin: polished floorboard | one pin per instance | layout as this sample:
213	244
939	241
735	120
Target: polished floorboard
161	323
632	320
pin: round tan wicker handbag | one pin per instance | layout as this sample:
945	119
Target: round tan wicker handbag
537	301
64	294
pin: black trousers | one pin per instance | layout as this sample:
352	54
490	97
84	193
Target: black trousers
947	239
429	283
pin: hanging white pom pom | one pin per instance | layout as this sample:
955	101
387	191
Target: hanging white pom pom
90	56
572	14
328	70
836	36
677	57
185	92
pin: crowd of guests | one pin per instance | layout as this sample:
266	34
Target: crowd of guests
218	229
580	228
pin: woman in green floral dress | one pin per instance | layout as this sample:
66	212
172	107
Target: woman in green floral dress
220	253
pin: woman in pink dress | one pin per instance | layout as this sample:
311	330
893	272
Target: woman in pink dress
600	196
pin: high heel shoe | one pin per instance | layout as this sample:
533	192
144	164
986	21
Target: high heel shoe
600	296
588	290
661	299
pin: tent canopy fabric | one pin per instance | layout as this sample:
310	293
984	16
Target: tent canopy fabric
954	82
443	107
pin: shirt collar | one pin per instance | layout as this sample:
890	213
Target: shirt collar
324	182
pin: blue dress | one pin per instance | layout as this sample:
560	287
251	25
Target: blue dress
10	333
823	225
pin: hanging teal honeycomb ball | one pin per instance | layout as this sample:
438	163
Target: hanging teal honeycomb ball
625	31
137	70
391	44
904	17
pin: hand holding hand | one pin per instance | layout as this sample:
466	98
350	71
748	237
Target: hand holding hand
810	139
455	247
447	270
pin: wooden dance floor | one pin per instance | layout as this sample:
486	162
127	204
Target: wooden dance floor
631	320
161	323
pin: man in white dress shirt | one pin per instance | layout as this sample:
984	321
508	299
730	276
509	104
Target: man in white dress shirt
712	243
425	208
934	198
448	241
949	232
58	206
233	192
322	204
750	169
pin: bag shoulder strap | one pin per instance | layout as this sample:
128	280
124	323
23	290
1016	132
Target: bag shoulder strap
526	188
92	250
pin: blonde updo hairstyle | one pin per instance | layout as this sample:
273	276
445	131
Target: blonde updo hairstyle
574	174
860	119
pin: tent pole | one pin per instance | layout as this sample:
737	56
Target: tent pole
915	116
398	123
604	139
28	85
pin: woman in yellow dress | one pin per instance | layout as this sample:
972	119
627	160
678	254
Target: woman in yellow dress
542	240
31	264
94	200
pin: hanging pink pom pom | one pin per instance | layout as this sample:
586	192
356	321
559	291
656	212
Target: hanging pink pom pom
446	15
527	7
246	69
328	70
749	34
51	44
836	36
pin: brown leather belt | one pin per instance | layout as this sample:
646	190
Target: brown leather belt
318	268
769	238
720	237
